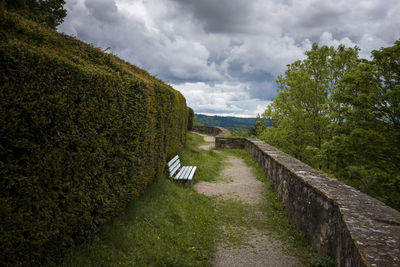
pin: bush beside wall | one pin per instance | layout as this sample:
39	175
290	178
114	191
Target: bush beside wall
81	134
190	118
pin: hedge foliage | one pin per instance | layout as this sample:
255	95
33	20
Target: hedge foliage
190	118
82	133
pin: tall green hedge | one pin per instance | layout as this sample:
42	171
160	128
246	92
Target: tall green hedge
190	118
81	134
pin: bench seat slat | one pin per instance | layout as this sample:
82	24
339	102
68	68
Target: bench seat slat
184	169
180	172
179	175
191	174
188	172
185	174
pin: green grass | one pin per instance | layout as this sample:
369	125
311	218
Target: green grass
209	163
169	225
172	225
234	217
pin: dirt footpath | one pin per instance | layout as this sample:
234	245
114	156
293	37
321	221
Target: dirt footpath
210	140
241	184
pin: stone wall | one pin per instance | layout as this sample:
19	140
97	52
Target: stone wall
340	221
220	140
212	130
231	143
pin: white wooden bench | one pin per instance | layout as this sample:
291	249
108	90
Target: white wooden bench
184	173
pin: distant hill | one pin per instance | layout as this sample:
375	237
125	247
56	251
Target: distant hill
227	122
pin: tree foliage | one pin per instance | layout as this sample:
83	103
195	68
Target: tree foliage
257	128
341	114
369	134
301	113
50	12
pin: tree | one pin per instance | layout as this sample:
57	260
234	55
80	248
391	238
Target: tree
257	128
301	113
49	12
288	113
369	133
342	114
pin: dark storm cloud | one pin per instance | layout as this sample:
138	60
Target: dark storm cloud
263	90
225	55
248	73
223	16
323	18
103	10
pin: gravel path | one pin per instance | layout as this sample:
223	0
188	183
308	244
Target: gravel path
263	249
209	139
241	185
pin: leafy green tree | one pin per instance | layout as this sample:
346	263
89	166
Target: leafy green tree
367	140
50	12
342	114
301	113
288	116
238	132
257	128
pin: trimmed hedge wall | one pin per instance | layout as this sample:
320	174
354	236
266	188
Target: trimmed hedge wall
190	118
81	134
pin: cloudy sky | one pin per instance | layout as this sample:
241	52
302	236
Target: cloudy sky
224	55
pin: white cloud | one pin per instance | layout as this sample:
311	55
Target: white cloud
327	39
221	99
225	55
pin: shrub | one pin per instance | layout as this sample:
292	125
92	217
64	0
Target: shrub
81	134
190	118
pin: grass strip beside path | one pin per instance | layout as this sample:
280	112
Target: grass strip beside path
172	225
209	163
168	226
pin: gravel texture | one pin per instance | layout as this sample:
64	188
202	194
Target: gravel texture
263	250
209	139
238	182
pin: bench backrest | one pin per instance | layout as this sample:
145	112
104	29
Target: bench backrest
174	165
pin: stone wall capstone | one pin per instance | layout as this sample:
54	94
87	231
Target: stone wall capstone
213	130
231	143
340	221
220	140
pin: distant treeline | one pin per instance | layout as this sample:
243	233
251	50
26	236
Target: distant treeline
229	122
